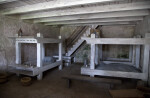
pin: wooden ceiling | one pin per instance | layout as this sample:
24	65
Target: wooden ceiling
77	12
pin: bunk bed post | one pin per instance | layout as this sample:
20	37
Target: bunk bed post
146	58
92	65
100	52
40	56
39	60
60	54
133	54
18	53
130	53
138	53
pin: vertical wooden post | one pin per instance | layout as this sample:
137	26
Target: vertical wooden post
133	56
146	58
130	53
60	54
96	54
101	52
18	53
138	53
39	60
92	66
43	51
40	56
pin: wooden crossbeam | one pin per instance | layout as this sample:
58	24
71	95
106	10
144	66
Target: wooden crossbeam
87	10
54	4
118	41
95	16
107	23
96	20
6	1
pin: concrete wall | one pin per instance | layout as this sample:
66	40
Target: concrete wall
9	27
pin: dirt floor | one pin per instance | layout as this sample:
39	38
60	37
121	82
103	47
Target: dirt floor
53	86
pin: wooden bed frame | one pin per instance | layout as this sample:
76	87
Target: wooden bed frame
40	67
92	71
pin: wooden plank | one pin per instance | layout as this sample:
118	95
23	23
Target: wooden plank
18	53
52	5
117	59
134	75
104	20
7	1
26	40
92	65
88	10
101	23
60	54
122	41
49	66
48	40
138	54
146	58
135	13
39	60
130	52
133	55
120	62
91	79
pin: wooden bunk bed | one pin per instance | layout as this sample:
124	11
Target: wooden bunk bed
40	67
114	69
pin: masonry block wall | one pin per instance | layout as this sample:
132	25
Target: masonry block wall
9	26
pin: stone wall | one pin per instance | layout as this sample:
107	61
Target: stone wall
65	32
9	26
113	51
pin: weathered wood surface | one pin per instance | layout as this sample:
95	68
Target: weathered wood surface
88	10
91	79
134	75
135	13
122	41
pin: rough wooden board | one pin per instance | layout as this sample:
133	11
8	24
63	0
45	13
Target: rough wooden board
127	93
91	79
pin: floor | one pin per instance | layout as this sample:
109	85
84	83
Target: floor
53	86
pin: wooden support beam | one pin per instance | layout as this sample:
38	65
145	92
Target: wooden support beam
134	75
108	23
118	41
95	16
60	53
138	53
130	53
86	10
52	5
39	59
92	65
18	53
97	20
7	1
146	58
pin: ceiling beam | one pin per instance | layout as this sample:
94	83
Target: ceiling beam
89	10
125	19
103	24
6	1
54	4
94	16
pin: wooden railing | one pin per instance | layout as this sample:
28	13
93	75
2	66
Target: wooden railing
75	36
